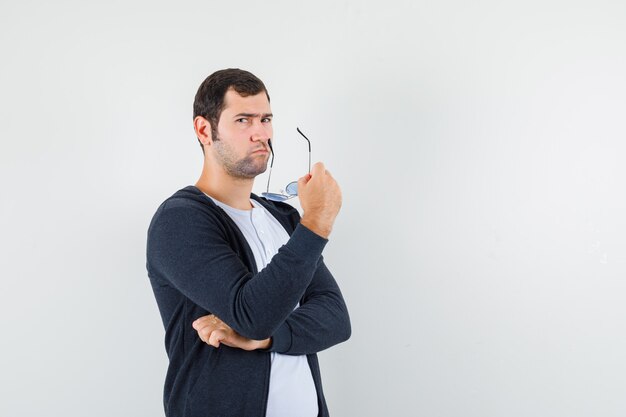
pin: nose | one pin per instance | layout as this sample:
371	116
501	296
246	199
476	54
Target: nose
260	132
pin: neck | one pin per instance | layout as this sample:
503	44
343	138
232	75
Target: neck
232	191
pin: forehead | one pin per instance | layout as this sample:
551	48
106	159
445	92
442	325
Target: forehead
234	103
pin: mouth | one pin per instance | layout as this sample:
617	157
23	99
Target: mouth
260	151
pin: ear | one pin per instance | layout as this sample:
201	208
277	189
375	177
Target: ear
202	127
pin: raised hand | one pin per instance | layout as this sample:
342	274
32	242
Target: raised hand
320	198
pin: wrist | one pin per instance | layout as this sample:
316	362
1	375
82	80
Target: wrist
315	226
264	344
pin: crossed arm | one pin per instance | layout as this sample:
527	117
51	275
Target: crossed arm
190	250
321	321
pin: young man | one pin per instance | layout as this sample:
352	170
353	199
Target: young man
240	281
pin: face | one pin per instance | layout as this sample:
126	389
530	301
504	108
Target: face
244	128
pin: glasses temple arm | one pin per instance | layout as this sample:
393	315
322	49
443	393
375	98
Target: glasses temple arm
307	139
269	142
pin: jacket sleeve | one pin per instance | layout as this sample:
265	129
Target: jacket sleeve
320	321
188	248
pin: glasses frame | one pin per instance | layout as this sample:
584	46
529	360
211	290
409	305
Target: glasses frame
292	188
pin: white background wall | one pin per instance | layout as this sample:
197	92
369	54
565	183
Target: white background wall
480	148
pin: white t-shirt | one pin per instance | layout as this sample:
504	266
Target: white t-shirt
292	391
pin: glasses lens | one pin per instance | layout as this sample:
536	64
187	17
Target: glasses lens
276	196
292	188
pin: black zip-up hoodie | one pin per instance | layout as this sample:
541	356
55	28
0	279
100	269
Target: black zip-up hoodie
199	263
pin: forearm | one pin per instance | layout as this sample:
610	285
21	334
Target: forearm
320	322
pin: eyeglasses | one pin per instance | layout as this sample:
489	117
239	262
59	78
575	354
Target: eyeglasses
291	190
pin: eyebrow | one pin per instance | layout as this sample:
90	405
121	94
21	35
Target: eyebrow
254	115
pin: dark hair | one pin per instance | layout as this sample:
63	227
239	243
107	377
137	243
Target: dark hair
209	101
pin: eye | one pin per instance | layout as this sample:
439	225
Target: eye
242	120
266	120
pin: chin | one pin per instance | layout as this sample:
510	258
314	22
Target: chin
250	168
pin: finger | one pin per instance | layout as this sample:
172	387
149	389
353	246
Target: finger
303	181
204	333
216	337
200	320
317	169
206	321
200	323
